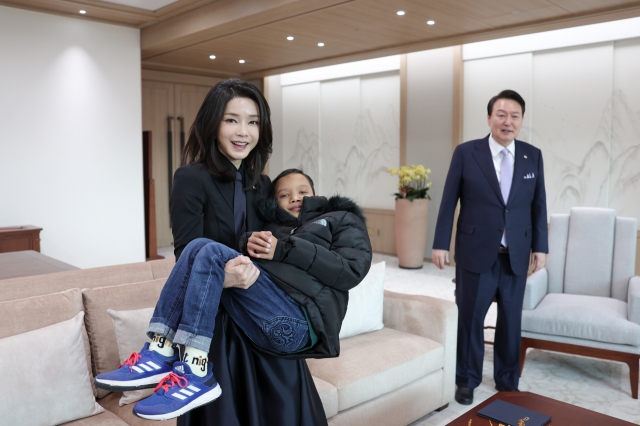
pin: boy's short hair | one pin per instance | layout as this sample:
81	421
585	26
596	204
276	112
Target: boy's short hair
272	192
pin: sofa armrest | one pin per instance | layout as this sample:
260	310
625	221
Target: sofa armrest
536	289
633	300
430	317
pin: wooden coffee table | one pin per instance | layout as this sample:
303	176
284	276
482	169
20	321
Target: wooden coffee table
562	414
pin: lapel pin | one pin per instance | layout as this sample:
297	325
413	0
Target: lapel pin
525	156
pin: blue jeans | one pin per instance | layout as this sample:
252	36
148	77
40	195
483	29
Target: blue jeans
188	304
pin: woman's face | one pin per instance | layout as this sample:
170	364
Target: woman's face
239	130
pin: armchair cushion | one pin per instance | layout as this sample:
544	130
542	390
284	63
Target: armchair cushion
602	319
633	300
536	288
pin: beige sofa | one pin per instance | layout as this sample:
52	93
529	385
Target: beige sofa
392	376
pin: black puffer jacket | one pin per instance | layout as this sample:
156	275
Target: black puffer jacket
319	256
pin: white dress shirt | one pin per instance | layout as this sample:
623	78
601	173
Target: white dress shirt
496	154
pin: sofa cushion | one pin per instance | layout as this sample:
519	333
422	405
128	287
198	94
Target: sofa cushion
102	336
19	288
328	395
162	268
56	386
22	315
111	403
131	328
376	363
584	317
106	418
364	311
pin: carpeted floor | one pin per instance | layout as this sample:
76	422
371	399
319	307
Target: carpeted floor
597	385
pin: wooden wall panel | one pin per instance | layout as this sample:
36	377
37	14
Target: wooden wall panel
382	230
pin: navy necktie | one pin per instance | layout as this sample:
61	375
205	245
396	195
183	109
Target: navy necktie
239	206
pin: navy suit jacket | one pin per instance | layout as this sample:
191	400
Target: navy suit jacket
483	214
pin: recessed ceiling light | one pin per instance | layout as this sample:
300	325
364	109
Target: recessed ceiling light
431	22
320	44
290	38
82	12
400	13
212	56
242	61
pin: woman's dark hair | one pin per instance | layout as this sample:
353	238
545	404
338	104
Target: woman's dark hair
202	145
272	192
505	94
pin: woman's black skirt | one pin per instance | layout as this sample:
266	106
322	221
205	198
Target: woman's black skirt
258	389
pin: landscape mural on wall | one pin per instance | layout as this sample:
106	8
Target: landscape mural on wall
607	174
347	153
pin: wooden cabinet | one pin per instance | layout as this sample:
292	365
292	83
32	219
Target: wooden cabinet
169	106
19	238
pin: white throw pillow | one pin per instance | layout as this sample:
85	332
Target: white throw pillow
364	312
45	376
131	328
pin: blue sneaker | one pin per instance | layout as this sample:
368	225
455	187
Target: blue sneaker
179	392
142	370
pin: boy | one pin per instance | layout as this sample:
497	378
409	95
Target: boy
312	252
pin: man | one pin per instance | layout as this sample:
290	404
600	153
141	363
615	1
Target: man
502	227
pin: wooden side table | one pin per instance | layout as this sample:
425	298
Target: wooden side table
19	238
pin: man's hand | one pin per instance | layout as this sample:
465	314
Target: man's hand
539	260
262	245
440	257
240	272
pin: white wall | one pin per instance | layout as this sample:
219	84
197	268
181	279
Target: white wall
340	124
274	97
70	136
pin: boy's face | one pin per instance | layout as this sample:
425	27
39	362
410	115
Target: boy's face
290	190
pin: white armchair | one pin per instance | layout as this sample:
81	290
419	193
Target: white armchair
587	301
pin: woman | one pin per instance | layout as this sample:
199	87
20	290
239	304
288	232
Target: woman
213	197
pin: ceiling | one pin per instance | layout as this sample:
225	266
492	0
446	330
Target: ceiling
181	36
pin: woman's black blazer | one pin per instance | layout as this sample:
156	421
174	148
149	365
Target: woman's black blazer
202	206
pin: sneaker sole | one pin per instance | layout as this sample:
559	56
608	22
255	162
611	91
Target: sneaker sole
119	386
208	397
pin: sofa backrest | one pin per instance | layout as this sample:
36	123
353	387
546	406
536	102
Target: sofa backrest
591	252
100	328
19	288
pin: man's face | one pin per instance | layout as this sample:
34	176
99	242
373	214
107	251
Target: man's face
505	121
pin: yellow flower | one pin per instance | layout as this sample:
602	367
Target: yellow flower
412	181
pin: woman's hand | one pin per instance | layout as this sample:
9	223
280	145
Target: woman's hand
262	245
240	272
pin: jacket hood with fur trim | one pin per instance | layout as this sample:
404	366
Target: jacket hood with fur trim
312	206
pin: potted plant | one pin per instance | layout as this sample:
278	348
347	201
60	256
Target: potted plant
411	217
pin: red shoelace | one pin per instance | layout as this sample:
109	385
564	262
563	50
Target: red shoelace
132	360
174	379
